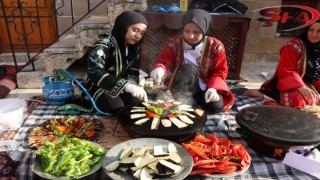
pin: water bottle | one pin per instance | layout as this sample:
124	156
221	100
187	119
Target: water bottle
184	5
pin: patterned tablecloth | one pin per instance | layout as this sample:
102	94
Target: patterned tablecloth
262	167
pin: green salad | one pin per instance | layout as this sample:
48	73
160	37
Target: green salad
69	157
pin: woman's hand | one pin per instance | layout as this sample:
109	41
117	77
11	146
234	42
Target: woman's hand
137	92
211	95
308	93
157	75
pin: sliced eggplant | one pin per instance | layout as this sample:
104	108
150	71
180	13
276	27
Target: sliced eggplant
136	116
145	104
184	106
128	161
166	123
199	112
160	101
178	123
137	161
153	166
175	157
137	173
123	169
176	168
141	121
172	148
175	174
176	103
145	174
190	115
138	110
158	151
144	161
112	166
126	153
143	150
138	107
185	119
155	123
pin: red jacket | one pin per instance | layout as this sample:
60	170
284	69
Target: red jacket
213	67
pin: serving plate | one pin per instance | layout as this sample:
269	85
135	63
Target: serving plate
37	169
114	153
52	129
228	175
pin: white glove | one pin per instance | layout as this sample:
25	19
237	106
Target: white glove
137	92
211	95
157	75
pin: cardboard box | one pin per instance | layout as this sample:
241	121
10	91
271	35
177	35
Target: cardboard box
306	164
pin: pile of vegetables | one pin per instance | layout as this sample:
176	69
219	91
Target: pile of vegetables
69	157
216	155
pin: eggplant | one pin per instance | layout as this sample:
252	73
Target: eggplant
126	153
148	158
145	174
143	150
172	148
112	166
136	116
199	112
158	151
138	110
166	122
175	157
178	123
176	168
137	173
186	119
190	115
155	123
141	121
153	167
128	161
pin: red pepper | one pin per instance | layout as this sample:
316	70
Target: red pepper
226	169
216	150
224	141
151	114
205	162
202	139
213	138
198	151
172	115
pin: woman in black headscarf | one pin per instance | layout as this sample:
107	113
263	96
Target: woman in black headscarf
296	82
197	65
114	62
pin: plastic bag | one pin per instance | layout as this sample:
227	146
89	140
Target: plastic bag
12	113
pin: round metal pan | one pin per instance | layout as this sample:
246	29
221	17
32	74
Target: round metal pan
172	133
280	124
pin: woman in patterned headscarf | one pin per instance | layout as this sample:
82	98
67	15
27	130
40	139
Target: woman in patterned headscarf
114	62
195	65
296	82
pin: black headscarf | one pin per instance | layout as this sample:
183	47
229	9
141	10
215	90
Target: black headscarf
313	48
201	18
120	28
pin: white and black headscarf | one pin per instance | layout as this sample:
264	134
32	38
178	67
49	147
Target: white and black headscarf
119	31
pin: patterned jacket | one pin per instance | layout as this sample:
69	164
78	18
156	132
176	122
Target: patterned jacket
213	66
107	71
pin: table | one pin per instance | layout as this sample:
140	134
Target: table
262	167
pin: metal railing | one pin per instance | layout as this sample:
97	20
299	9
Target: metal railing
18	11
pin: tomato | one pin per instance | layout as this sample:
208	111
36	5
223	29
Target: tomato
172	115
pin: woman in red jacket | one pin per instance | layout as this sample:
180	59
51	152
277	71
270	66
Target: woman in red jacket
195	66
296	82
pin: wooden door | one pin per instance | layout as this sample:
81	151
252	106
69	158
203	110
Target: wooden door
31	25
